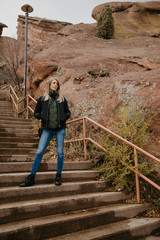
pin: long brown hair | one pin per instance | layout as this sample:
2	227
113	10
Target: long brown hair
46	94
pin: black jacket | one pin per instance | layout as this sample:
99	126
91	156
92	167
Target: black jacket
41	112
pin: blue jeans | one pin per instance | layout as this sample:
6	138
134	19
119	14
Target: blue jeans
43	143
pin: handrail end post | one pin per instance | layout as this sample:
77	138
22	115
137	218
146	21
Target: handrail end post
84	138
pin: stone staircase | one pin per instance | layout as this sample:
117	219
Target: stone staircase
78	209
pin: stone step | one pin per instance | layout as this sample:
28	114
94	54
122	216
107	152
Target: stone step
13	119
18	145
17	194
4	115
27	139
12	167
4	95
5	103
17	158
67	204
17	151
24	135
15	124
52	226
20	157
21	135
6	110
130	229
16	129
14	179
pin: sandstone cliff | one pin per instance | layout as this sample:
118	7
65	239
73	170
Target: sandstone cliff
39	29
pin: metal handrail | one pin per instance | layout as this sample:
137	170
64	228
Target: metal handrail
28	96
124	140
13	96
135	147
134	169
12	90
16	101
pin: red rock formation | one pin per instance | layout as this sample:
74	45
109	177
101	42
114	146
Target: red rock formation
39	29
2	25
8	59
133	18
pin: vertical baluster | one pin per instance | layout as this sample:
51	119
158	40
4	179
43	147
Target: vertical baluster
9	93
84	138
17	108
27	106
136	175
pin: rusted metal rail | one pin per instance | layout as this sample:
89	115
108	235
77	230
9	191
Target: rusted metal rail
16	102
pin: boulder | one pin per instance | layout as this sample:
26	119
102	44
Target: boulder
131	18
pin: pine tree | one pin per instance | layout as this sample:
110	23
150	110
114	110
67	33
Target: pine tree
105	23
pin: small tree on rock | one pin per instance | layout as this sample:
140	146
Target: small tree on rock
105	23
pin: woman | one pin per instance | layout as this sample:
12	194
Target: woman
52	109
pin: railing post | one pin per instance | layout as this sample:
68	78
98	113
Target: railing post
136	175
17	108
13	103
84	138
27	106
9	93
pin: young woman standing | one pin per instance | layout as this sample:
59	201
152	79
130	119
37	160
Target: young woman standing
52	109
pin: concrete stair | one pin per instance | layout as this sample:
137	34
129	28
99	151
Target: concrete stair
125	229
80	208
16	135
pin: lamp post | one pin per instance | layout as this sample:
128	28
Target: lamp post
27	9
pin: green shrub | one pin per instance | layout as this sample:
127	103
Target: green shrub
105	23
132	124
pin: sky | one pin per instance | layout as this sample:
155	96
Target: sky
73	11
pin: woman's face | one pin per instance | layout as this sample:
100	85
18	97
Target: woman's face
54	85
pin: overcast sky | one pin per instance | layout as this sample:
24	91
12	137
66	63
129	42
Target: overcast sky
73	11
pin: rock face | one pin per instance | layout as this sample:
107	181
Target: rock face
39	29
131	18
98	75
2	25
8	59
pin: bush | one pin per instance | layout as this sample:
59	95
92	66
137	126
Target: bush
105	23
132	124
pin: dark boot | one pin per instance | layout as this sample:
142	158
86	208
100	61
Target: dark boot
29	181
58	180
